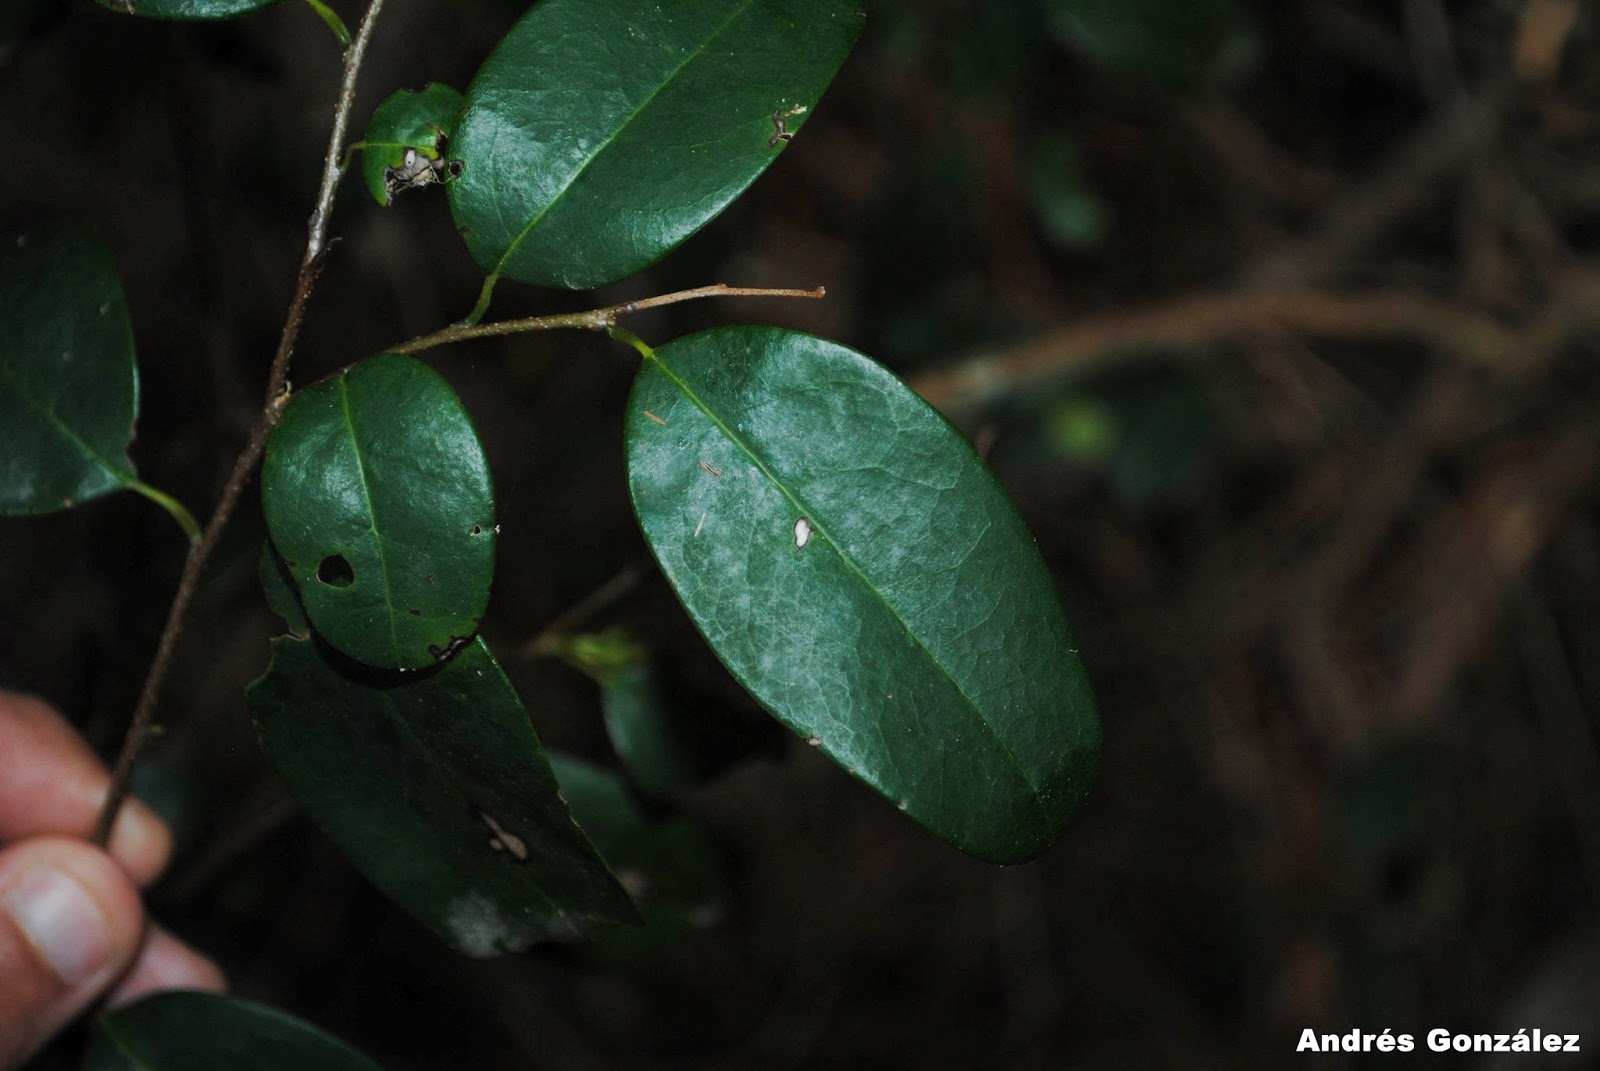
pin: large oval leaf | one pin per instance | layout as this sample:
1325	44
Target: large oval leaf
69	390
377	496
181	1031
601	133
862	573
437	788
186	10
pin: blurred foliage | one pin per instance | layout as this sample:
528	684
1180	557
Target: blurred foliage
1336	593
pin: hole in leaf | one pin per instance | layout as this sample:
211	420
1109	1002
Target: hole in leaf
335	571
477	529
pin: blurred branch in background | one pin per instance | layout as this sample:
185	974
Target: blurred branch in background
1280	320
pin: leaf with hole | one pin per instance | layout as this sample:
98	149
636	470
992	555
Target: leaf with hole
186	10
602	133
377	495
865	577
436	786
407	138
185	1031
69	390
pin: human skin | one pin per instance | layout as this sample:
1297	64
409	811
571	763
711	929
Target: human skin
72	924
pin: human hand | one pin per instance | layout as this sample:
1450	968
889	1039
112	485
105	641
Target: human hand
72	926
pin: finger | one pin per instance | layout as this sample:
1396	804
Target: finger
167	963
50	782
70	923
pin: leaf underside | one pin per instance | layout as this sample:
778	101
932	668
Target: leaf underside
436	787
377	495
186	10
69	390
602	133
186	1031
915	636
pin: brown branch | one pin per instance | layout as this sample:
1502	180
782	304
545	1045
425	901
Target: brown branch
1456	330
546	642
592	320
277	396
1355	220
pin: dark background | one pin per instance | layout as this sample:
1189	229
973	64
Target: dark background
1278	319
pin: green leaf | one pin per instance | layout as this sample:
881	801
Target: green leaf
185	1031
602	133
1178	43
418	121
864	576
69	390
636	721
186	10
670	864
282	598
641	731
377	495
437	788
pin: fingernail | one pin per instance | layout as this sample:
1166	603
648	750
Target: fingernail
63	921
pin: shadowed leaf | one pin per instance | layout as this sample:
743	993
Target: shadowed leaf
179	1031
437	788
69	390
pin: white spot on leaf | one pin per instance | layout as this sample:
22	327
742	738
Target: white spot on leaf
479	928
802	532
502	841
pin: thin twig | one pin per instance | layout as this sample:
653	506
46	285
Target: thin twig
547	640
276	397
1190	323
592	320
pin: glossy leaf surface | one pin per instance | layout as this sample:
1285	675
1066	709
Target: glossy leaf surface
377	496
602	133
69	390
864	576
186	10
436	786
184	1031
419	120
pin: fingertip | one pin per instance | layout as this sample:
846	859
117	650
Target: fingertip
70	923
141	841
167	963
51	783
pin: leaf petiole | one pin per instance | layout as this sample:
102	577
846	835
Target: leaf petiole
335	23
176	509
622	334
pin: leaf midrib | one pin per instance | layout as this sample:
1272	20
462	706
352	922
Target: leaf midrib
59	423
448	781
372	516
516	243
807	512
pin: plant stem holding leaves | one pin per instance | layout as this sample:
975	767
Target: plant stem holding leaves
277	397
